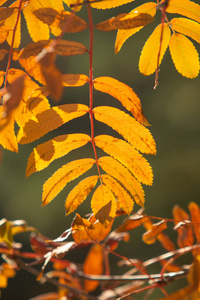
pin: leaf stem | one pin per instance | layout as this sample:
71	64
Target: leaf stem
91	86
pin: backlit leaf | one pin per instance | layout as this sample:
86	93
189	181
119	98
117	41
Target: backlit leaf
130	223
185	234
52	75
93	265
135	133
6	12
67	48
123	198
7	134
149	56
184	55
2	73
37	29
123	93
127	155
74	79
79	193
195	217
123	35
10	22
108	3
187	27
150	236
124	177
50	120
186	8
45	153
4	30
104	205
65	174
125	21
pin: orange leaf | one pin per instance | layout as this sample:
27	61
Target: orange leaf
67	48
123	198
187	27
184	55
10	22
49	120
104	205
151	236
4	30
2	73
185	233
6	12
3	52
123	93
106	4
124	177
74	79
79	193
7	133
123	35
186	8
93	265
195	216
130	223
52	75
125	21
45	153
150	51
135	133
128	156
65	174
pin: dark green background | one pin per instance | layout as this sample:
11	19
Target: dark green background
172	110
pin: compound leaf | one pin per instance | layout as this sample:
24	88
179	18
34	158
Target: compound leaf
64	175
186	8
187	27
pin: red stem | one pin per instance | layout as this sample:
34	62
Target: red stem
12	43
91	86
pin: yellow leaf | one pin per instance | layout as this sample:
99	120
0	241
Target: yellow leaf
124	94
125	21
65	174
74	4
10	22
108	3
123	35
74	79
186	8
149	56
6	12
187	27
135	133
93	265
2	73
7	134
49	120
79	193
37	29
57	4
126	155
123	198
124	177
45	153
184	55
104	205
3	281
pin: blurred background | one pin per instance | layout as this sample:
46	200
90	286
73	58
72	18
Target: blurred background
172	110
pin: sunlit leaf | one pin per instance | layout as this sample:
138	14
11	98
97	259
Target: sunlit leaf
195	217
104	205
6	12
187	27
50	120
125	21
184	55
74	79
65	174
149	56
108	3
2	73
123	198
123	35
127	155
79	193
135	133
124	94
7	134
93	265
124	177
45	153
150	236
10	22
4	30
185	234
186	8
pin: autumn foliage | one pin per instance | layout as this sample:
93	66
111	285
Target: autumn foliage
117	176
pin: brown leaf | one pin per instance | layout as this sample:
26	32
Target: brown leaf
52	75
6	12
183	227
150	236
130	223
3	52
